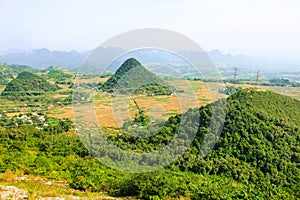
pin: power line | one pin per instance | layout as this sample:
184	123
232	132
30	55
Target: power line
235	74
257	77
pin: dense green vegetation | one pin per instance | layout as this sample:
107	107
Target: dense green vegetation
266	82
58	75
140	120
229	90
250	150
281	82
256	157
27	83
8	72
132	77
3	79
107	74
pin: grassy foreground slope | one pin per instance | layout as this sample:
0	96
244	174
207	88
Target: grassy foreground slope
256	157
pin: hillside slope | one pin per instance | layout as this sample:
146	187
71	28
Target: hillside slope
258	144
256	156
133	77
28	84
8	72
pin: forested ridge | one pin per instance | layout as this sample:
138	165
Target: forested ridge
257	155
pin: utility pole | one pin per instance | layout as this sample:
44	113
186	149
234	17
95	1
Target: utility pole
257	77
235	75
138	107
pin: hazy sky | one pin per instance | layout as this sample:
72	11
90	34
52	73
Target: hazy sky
252	27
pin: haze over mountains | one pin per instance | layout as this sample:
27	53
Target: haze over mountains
42	58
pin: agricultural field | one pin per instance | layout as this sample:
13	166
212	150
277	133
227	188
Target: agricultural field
196	94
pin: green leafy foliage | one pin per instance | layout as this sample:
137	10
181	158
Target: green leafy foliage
229	90
282	82
58	75
3	79
259	141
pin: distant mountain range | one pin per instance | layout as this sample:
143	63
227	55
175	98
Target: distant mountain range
43	58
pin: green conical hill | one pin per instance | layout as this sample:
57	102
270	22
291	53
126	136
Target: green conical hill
133	77
28	83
